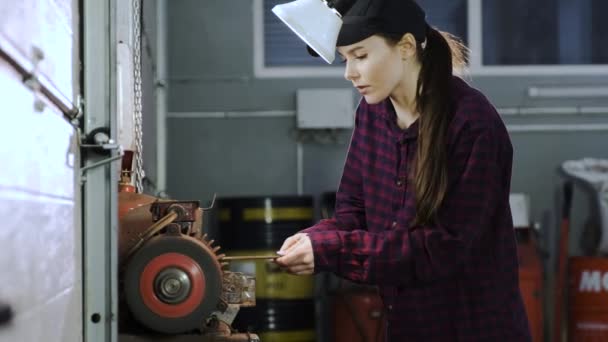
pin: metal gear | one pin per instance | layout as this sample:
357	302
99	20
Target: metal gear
173	282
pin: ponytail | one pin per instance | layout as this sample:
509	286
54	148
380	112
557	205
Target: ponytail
442	53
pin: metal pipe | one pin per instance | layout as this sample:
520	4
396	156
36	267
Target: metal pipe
161	96
299	168
568	92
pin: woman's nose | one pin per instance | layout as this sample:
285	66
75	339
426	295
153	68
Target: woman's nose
350	73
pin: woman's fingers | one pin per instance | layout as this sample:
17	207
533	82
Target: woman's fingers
285	250
287	243
290	242
300	269
293	255
299	257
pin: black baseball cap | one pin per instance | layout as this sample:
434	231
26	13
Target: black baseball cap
368	17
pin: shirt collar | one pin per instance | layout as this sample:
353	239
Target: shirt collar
386	111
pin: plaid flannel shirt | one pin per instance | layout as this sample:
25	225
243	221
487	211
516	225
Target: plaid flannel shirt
456	280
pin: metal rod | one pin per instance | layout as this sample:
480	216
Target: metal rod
161	91
99	163
249	257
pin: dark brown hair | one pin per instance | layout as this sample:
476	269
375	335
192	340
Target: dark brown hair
441	55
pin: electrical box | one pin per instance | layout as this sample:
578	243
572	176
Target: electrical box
325	108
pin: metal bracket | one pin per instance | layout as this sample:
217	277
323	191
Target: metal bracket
32	81
99	163
111	145
76	113
99	140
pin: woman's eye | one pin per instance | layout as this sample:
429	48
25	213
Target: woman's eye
344	60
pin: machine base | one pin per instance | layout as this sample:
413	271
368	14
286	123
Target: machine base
188	338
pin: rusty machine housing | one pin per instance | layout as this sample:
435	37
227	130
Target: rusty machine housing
173	285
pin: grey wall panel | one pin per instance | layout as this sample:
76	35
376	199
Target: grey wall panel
322	168
212	37
242	94
211	44
40	240
537	158
231	157
211	61
51	26
211	69
149	26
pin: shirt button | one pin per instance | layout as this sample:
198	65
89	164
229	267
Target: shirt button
399	182
394	224
390	308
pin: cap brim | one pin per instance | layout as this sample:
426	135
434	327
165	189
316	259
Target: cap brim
349	34
354	31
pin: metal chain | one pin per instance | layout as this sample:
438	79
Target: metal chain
137	103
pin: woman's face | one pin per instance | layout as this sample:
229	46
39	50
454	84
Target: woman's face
374	67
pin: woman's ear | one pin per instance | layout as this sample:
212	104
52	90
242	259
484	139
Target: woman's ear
407	46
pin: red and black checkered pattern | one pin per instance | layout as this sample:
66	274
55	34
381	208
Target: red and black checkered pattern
456	280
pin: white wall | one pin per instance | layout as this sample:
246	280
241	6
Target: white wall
40	256
40	235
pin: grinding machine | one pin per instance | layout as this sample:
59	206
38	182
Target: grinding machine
173	285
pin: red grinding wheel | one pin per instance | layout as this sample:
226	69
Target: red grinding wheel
172	284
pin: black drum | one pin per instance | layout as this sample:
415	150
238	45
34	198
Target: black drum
284	308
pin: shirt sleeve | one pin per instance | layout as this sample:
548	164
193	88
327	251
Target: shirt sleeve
405	255
349	213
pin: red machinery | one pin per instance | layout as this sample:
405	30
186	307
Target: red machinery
172	283
530	280
581	296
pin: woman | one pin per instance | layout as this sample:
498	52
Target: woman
422	210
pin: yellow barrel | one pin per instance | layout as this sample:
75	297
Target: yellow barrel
284	308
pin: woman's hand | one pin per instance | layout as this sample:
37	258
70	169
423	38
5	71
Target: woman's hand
297	256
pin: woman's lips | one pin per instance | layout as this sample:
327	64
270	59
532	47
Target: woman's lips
362	89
